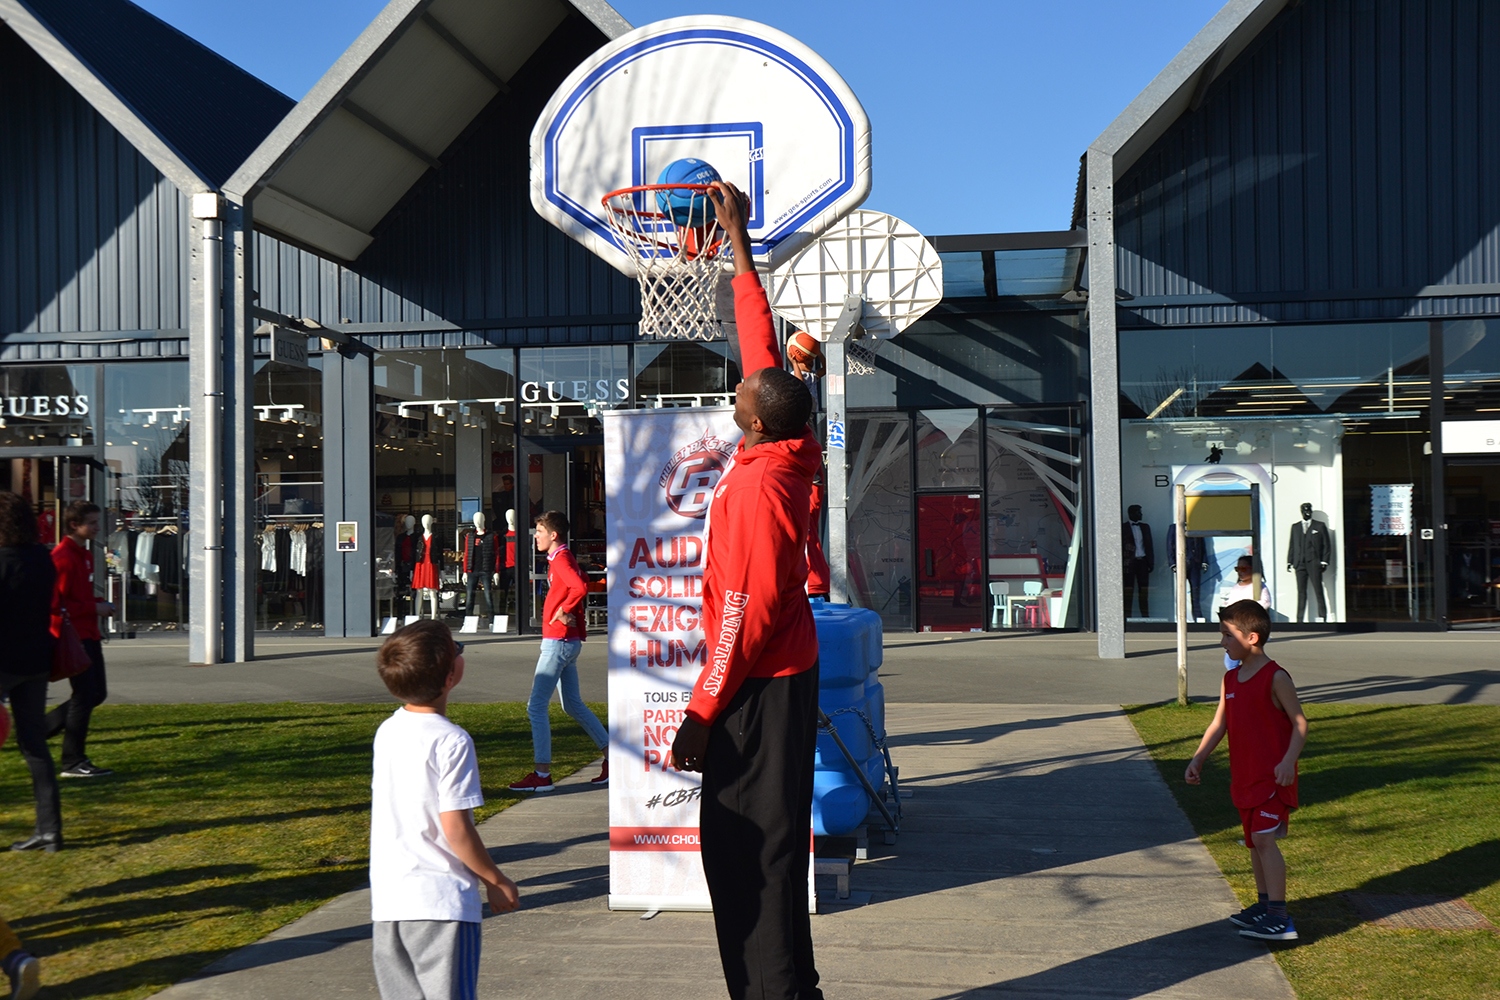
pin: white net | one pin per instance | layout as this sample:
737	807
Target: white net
678	266
859	355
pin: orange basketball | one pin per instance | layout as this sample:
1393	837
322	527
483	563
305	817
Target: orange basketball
803	349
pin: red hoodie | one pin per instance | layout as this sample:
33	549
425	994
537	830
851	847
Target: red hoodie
566	591
755	612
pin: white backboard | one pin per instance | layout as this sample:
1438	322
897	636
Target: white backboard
876	256
765	110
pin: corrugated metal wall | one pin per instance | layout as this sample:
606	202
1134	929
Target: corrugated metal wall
92	238
1345	160
465	246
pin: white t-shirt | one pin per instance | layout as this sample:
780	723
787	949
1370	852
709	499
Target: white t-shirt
424	766
1237	592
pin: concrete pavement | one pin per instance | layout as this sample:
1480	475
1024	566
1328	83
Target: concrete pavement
1041	854
1015	668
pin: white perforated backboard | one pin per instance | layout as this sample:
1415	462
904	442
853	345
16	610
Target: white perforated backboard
876	256
765	110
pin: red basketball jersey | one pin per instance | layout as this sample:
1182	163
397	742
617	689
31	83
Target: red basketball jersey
1259	734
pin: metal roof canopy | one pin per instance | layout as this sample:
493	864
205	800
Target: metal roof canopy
191	113
389	108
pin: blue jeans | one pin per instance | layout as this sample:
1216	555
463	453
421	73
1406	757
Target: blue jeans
559	664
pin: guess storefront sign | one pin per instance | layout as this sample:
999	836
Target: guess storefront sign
577	390
45	406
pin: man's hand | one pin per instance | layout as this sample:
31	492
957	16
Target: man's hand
1194	773
731	208
503	896
465	580
1286	772
690	745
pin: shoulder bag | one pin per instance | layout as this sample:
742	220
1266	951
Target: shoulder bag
69	658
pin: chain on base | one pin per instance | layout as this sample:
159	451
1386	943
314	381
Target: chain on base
678	267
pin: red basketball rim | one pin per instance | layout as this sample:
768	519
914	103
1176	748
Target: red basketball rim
627	218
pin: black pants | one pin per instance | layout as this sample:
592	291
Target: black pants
1310	575
756	828
28	707
1137	577
71	718
480	580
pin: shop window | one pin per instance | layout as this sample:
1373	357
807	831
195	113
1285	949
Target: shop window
948	449
685	373
146	457
1331	418
444	448
289	526
880	515
1034	530
1471	368
47	406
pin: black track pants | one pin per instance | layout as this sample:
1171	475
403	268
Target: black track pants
756	829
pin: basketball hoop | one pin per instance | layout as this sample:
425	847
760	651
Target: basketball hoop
859	356
678	266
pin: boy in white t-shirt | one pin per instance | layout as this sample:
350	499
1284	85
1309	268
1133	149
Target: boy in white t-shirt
426	858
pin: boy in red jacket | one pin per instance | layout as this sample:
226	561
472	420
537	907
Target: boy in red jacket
562	638
1259	709
751	725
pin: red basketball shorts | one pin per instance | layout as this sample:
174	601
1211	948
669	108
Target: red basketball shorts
1271	816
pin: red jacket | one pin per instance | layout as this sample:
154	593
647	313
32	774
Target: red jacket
565	590
74	589
755	612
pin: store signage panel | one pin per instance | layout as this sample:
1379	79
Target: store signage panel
576	390
1219	513
288	347
1471	437
661	467
1390	509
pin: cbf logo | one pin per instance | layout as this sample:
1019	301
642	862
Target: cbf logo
691	475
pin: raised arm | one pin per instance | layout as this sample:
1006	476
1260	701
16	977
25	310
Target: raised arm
752	312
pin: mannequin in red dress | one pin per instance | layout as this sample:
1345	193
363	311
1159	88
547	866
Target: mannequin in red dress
424	576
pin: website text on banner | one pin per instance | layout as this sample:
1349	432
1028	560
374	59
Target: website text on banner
661	467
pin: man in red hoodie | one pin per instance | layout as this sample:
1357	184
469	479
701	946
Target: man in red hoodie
74	559
751	725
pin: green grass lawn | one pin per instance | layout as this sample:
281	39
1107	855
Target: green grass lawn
1396	799
223	823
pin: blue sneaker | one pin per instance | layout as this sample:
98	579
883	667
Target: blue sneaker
1249	916
1272	928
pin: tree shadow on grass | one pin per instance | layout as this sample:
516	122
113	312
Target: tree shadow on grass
1164	961
161	880
72	927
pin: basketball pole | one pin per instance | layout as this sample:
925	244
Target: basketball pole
836	362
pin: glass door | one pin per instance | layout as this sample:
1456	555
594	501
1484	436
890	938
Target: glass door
564	474
1472	499
950	570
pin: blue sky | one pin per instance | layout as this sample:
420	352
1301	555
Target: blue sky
979	108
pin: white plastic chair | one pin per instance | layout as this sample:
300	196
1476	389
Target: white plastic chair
998	593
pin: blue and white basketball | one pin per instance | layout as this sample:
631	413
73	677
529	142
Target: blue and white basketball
688	209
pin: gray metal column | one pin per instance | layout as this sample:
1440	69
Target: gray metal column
1104	391
240	559
199	586
348	490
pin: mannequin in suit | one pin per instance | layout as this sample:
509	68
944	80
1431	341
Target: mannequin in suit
1197	563
1140	559
1307	554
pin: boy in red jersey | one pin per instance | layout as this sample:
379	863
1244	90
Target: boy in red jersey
1259	709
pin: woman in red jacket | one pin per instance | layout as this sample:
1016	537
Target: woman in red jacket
75	592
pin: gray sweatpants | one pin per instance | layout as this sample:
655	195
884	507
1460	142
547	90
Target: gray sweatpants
427	959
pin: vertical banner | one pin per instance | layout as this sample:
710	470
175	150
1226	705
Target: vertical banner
660	470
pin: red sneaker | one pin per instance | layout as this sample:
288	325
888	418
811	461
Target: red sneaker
533	782
603	778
